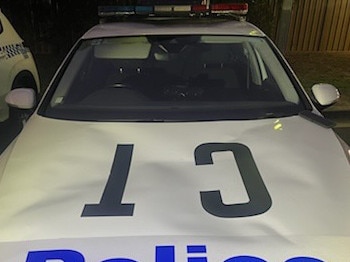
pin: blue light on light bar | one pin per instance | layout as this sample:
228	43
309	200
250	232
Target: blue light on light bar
144	10
164	8
126	9
115	10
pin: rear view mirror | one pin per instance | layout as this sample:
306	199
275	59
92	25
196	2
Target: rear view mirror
123	48
325	94
22	98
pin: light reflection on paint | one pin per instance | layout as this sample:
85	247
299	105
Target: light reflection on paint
278	125
254	32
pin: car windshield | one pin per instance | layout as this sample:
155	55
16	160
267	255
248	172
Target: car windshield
173	78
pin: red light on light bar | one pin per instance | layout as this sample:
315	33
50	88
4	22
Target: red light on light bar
237	8
199	8
164	8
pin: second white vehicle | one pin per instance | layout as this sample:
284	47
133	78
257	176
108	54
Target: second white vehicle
17	66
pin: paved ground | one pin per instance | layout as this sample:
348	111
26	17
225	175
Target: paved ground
342	119
344	133
7	133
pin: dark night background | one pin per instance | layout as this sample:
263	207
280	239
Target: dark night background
52	26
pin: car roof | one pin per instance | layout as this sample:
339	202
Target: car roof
173	26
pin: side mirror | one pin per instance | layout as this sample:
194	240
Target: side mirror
22	98
325	94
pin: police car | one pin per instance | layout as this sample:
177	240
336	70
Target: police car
17	66
171	139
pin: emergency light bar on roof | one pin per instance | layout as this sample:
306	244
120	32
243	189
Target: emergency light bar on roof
169	8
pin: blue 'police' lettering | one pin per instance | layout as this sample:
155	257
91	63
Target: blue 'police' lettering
64	255
245	259
119	260
196	253
165	253
197	250
304	259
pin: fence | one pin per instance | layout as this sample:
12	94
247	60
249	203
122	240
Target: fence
320	25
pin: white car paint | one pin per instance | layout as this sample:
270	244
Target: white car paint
43	192
76	191
15	59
